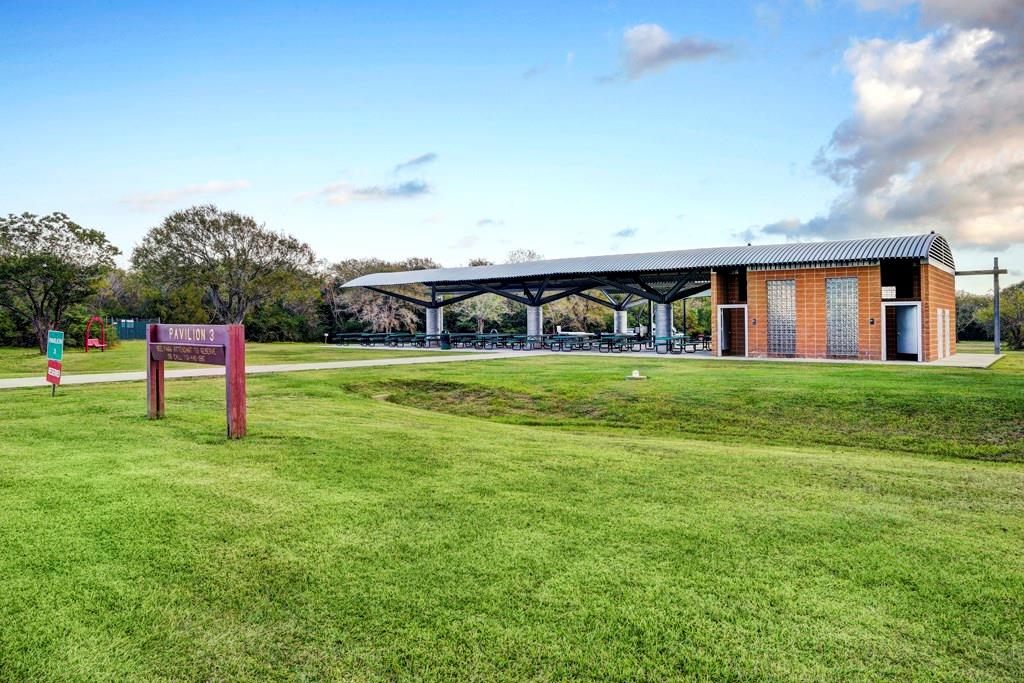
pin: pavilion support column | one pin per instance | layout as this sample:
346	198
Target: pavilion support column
435	319
534	320
663	320
620	321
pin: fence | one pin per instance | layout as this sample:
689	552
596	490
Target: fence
132	328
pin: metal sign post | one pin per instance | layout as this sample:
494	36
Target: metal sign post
206	344
54	359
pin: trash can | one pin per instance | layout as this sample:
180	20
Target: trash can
446	341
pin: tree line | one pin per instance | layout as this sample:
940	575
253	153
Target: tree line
207	265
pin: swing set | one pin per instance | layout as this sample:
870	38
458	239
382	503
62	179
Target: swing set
94	342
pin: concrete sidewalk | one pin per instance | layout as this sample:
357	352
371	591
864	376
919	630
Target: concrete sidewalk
965	360
199	371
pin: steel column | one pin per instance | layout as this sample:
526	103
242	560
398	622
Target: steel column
620	321
663	320
435	319
534	320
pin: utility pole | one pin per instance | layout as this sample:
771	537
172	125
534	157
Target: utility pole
995	302
995	273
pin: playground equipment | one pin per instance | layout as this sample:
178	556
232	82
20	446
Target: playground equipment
93	342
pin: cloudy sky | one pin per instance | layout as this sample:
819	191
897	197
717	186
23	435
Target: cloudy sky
400	129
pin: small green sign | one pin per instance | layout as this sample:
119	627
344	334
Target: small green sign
55	345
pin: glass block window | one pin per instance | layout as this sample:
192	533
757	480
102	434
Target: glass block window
841	316
782	317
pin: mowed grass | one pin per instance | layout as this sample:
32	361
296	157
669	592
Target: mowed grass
966	413
130	355
355	536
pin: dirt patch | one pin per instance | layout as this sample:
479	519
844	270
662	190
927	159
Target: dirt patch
472	400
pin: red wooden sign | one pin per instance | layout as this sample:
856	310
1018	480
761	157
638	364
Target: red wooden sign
207	344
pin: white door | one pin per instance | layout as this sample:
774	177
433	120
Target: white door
723	331
906	330
947	335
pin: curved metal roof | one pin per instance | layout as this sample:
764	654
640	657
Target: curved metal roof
930	246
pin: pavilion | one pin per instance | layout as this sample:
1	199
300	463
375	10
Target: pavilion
884	298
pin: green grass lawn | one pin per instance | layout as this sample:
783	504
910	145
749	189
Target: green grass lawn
538	519
978	347
131	355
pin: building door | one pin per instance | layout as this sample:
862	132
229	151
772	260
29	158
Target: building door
906	330
732	330
903	331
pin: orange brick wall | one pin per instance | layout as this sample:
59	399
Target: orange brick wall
939	291
811	331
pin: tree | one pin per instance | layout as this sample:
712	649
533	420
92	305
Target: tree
119	294
1011	315
379	312
516	309
481	309
237	263
522	256
698	315
967	324
579	314
47	264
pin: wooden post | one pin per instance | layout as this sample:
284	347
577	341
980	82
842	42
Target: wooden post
206	344
995	303
154	379
234	368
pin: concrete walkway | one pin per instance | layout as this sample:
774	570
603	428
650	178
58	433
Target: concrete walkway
960	360
968	360
200	371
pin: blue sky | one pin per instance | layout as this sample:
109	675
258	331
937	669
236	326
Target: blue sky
531	126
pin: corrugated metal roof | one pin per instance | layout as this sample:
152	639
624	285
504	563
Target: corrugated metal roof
931	246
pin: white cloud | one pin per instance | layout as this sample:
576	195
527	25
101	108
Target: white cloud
647	48
168	196
966	13
936	138
343	192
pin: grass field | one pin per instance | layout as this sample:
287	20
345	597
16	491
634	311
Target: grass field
131	356
530	519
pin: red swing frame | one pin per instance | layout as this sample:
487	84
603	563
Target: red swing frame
93	342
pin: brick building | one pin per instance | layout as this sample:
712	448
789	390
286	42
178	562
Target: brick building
870	306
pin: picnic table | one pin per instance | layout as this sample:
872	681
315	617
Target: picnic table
682	343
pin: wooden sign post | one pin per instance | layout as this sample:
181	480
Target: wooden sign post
207	344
